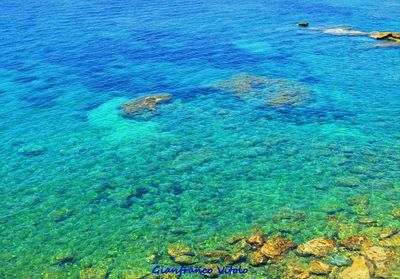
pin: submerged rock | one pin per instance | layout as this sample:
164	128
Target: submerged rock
32	150
391	241
256	240
61	214
381	258
318	247
319	268
63	258
261	91
93	273
348	181
179	250
146	103
276	247
358	270
185	260
356	242
235	257
395	212
257	258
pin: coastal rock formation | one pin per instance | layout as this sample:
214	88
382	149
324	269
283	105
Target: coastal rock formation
147	103
276	247
261	91
358	270
392	36
318	247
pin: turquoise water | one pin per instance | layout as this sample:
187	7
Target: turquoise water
79	179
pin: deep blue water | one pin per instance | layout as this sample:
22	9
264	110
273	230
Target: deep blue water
78	178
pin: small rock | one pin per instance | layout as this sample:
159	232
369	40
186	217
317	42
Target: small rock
146	103
295	272
358	270
319	268
234	239
365	220
32	150
256	240
235	257
93	273
63	258
257	258
276	247
214	256
61	214
185	260
214	272
393	36
395	212
356	242
348	181
303	24
391	241
318	247
179	250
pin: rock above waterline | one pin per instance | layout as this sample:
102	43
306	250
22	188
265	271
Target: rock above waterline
303	24
146	103
393	36
358	270
276	247
318	247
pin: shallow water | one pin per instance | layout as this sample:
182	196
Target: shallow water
76	177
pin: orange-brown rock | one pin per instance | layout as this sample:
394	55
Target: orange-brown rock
319	268
358	270
257	258
318	247
256	240
146	103
356	242
276	247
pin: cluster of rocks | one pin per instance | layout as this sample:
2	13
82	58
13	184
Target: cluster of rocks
360	250
140	105
390	36
260	90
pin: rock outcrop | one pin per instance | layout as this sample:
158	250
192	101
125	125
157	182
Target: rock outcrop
147	103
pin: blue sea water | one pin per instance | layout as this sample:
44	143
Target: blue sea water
80	182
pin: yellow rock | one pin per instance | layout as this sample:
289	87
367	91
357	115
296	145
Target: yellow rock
256	258
319	268
358	270
276	247
318	247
